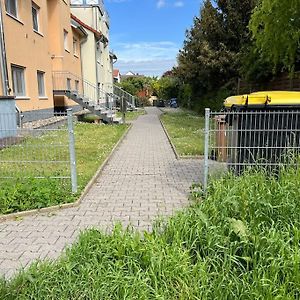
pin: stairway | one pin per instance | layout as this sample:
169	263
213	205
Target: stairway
84	93
122	94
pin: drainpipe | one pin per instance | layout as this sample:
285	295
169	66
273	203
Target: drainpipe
97	75
3	61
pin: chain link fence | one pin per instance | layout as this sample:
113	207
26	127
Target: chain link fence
42	148
241	140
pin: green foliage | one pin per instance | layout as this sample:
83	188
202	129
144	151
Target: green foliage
166	87
210	59
275	26
185	129
25	193
241	242
133	85
31	193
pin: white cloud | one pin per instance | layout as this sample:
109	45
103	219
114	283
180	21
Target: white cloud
149	58
146	50
160	3
179	4
148	68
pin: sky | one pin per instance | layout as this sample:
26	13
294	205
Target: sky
146	35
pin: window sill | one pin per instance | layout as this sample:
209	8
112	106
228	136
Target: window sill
43	98
22	98
15	18
76	55
39	33
67	50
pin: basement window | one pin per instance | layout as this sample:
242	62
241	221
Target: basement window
41	83
18	77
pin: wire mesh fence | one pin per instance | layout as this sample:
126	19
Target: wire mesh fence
41	149
265	138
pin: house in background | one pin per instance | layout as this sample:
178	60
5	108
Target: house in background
131	75
117	76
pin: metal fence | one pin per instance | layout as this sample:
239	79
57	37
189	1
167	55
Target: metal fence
43	148
240	140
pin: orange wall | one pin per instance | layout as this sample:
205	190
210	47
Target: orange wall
29	49
63	60
44	52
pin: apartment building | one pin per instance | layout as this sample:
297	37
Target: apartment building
53	59
95	52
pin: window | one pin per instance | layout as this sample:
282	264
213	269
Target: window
11	7
35	17
41	83
75	50
66	40
76	85
18	78
68	84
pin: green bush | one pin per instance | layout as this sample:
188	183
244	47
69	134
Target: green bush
31	193
241	242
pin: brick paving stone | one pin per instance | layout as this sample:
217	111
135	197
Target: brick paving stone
141	181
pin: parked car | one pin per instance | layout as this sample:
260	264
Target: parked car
161	103
173	103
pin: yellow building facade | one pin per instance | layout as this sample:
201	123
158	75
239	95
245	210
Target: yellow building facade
39	39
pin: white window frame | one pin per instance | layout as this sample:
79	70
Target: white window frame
37	9
77	85
66	42
9	9
14	70
41	84
69	84
75	46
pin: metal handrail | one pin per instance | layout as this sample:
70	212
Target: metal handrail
68	82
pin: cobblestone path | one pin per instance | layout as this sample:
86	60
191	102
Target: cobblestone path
142	180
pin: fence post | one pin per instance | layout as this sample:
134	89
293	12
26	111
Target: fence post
206	148
123	109
72	150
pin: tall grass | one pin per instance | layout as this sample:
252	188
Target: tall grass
241	242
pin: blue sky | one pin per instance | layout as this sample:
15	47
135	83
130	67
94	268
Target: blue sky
146	35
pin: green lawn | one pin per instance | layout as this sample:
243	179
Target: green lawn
241	242
186	131
132	115
23	192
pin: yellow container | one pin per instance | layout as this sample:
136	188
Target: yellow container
263	99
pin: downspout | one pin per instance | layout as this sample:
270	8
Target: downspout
3	60
97	75
83	41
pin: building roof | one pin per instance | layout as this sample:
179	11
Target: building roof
116	72
97	33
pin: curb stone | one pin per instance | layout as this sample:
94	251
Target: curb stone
50	209
173	146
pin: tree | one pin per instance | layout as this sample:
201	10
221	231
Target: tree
275	27
210	58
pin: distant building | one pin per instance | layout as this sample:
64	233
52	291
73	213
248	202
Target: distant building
117	76
131	74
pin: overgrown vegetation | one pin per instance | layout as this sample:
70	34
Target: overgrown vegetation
241	242
23	192
185	129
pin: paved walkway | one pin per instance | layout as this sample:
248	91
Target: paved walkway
142	180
